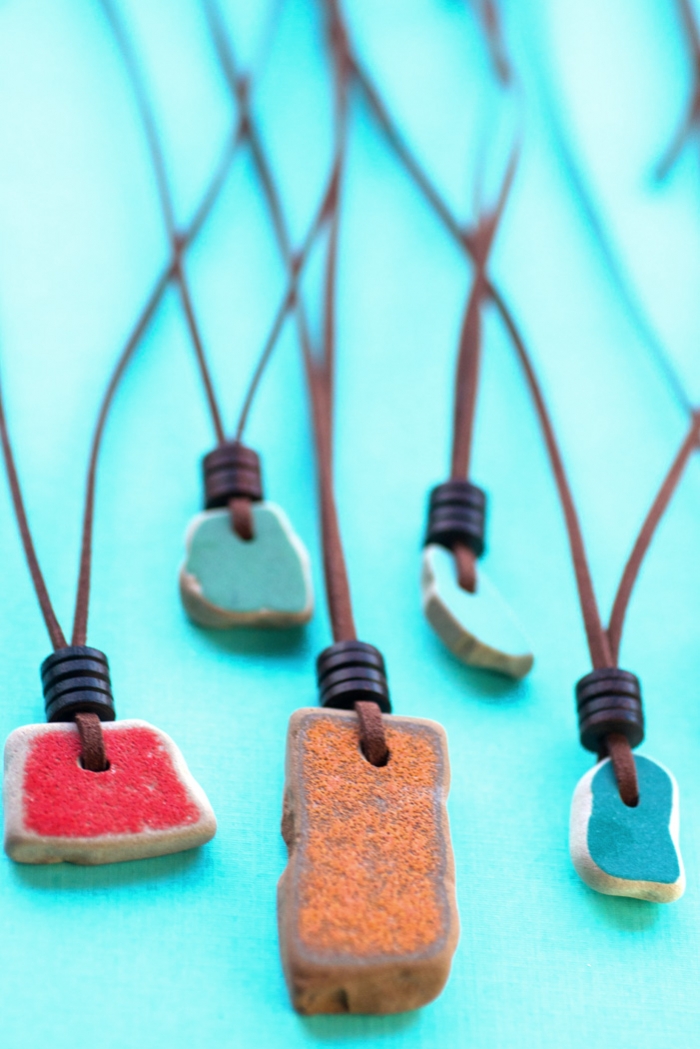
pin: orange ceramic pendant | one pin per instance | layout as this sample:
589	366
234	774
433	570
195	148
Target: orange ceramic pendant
367	912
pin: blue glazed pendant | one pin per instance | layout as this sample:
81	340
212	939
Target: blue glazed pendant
478	628
228	582
625	851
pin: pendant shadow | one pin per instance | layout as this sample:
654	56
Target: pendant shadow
487	685
622	912
253	641
346	1028
69	877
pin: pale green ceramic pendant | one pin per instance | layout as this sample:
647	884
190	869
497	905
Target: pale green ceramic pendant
478	628
228	582
624	851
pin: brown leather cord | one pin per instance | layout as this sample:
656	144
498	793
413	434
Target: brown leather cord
241	510
465	561
468	361
691	120
467	379
646	534
319	372
372	735
598	644
192	231
237	84
297	263
466	383
622	760
598	641
145	111
320	383
58	639
92	741
241	517
242	521
489	15
142	324
321	386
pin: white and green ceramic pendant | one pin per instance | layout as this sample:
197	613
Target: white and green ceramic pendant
229	582
478	628
622	850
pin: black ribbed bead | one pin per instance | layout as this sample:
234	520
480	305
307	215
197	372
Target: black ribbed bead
231	471
457	514
609	700
349	671
75	680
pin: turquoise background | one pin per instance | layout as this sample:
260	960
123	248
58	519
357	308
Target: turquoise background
182	952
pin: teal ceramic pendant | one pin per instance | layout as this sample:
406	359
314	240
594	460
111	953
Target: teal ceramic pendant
478	628
625	851
229	582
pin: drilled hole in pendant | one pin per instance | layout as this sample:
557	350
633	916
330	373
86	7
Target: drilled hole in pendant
376	764
81	765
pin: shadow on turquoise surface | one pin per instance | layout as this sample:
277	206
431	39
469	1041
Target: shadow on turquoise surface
622	913
486	685
68	877
245	641
352	1028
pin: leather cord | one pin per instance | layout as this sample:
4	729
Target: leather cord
240	508
468	361
600	641
92	742
155	149
691	119
134	339
319	371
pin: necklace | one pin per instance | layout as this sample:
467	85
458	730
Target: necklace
626	810
463	606
245	565
364	925
84	788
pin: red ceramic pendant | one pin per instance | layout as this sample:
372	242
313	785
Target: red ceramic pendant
145	804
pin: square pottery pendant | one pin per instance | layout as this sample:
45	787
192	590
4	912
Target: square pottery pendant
628	851
145	804
366	906
229	582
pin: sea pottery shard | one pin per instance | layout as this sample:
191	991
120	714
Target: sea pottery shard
366	905
625	851
145	804
227	581
478	628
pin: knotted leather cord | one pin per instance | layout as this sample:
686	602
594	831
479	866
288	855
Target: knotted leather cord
468	362
599	639
319	371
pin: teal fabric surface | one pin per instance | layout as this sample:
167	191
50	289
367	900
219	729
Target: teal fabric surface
181	952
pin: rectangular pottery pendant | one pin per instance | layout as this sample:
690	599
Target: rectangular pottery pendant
366	906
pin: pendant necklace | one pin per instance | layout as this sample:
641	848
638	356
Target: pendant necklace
367	914
244	564
635	846
463	607
85	788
